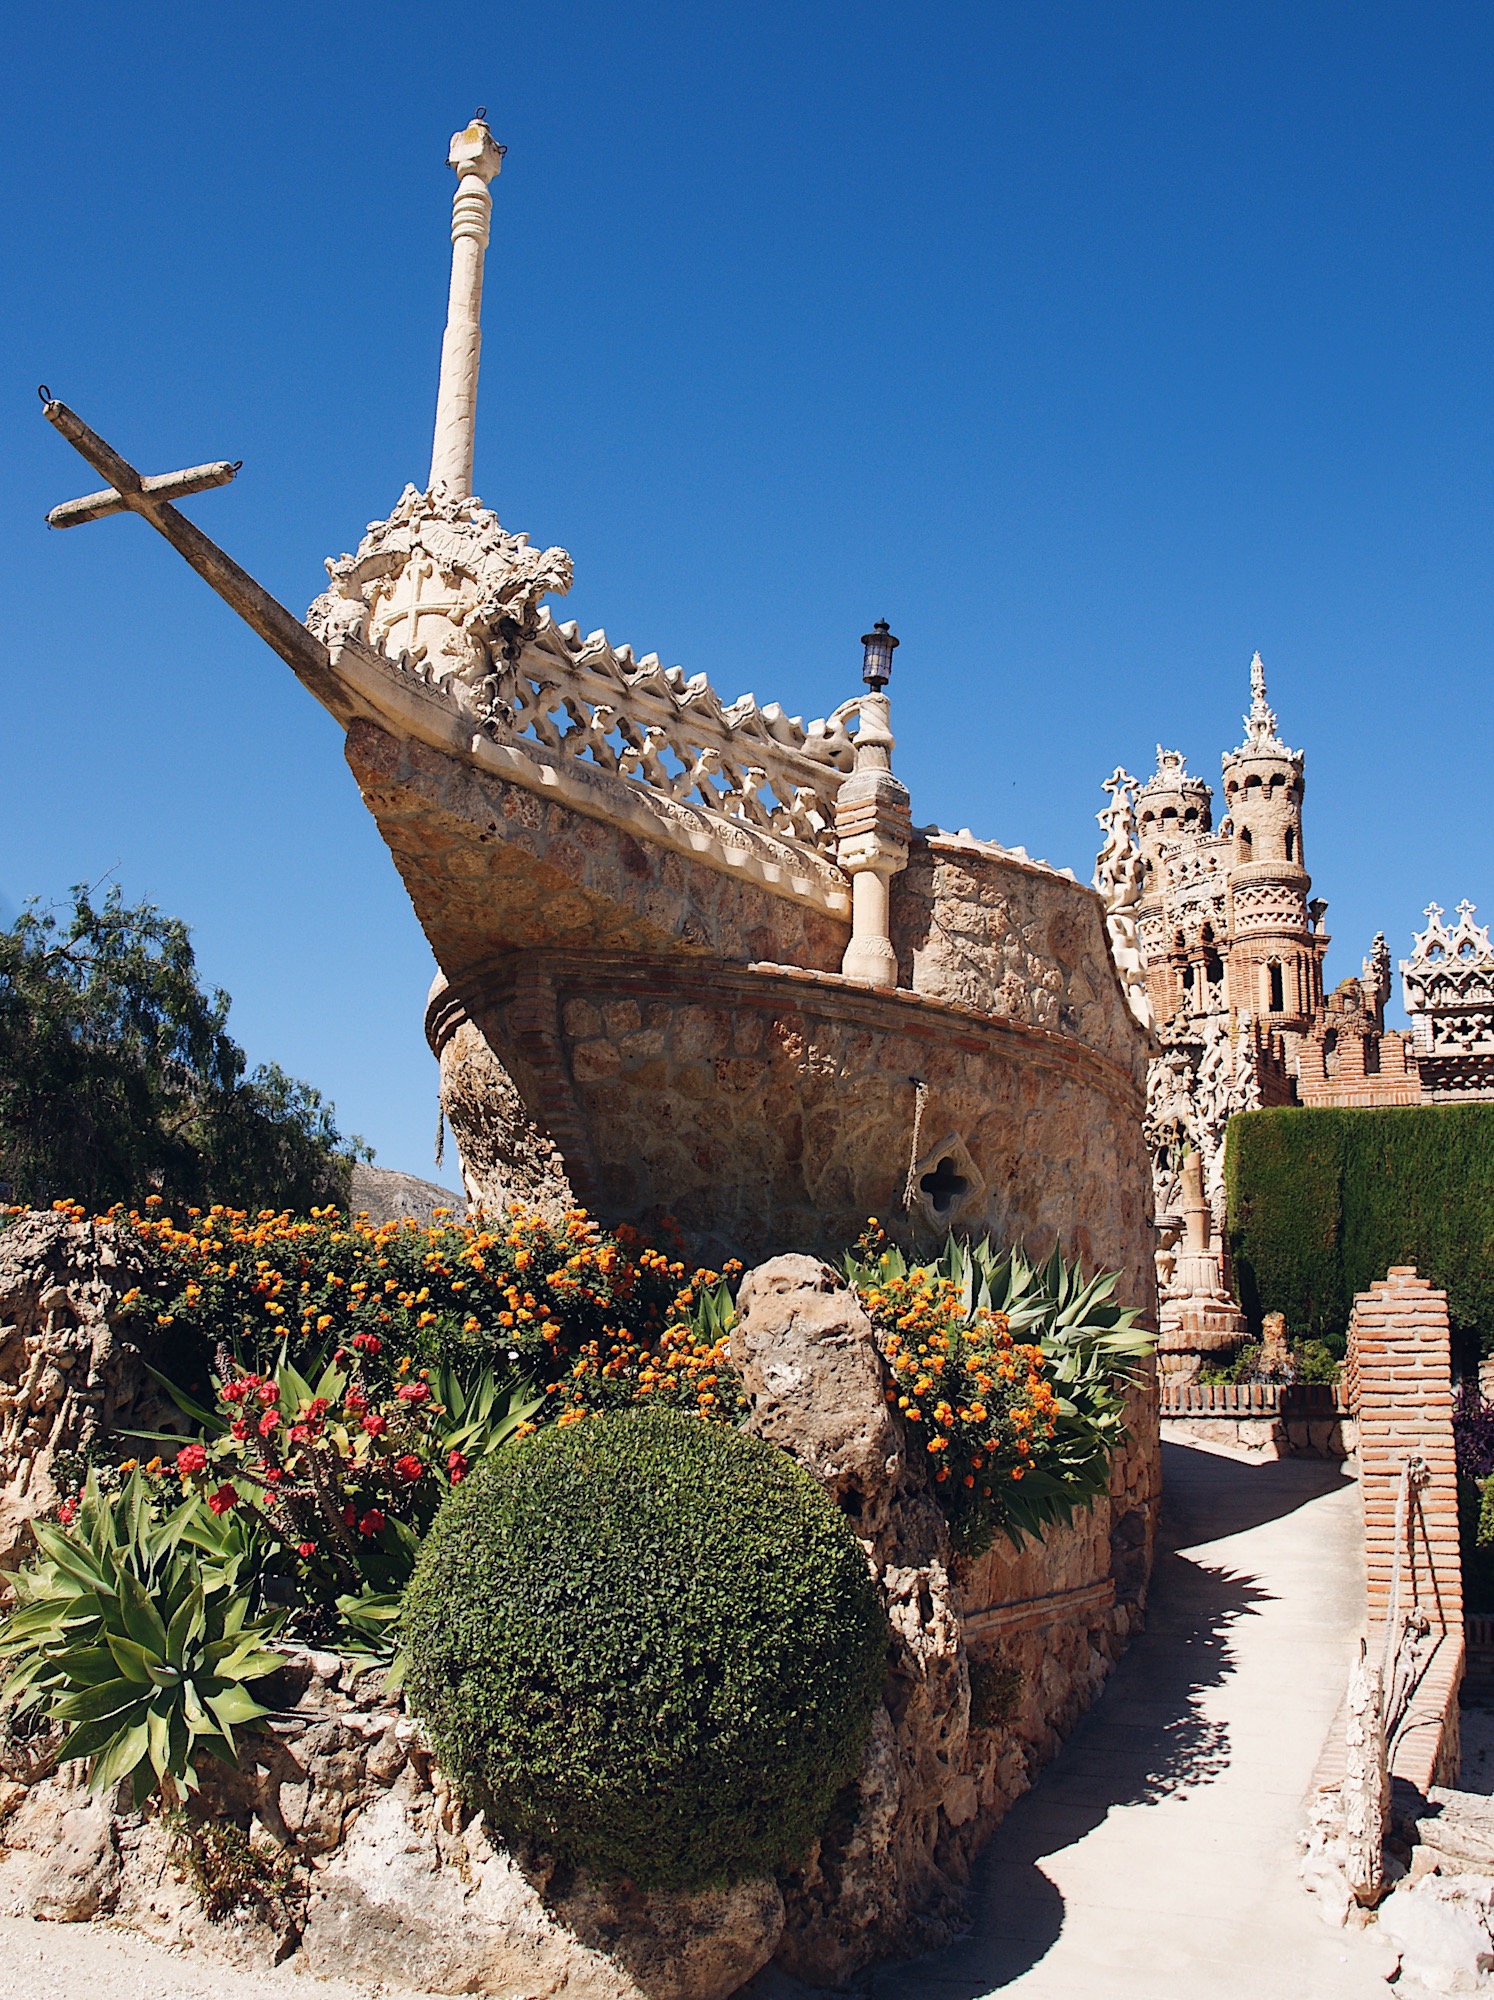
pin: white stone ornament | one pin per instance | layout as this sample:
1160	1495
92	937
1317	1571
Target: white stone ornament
440	586
1120	878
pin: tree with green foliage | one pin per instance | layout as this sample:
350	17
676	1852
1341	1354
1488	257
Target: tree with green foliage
119	1079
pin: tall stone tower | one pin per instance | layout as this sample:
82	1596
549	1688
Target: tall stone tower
1275	964
1182	914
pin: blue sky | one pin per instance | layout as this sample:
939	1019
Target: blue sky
1093	346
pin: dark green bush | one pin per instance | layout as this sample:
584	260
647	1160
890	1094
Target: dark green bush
1322	1203
649	1644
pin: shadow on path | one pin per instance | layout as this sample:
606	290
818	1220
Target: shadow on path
1147	1737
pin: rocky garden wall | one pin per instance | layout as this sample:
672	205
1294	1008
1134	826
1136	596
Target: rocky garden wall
339	1842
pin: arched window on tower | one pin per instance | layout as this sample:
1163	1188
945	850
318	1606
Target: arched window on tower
1245	843
1276	988
1291	843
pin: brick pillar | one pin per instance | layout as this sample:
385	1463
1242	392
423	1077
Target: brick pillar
1398	1383
1399	1379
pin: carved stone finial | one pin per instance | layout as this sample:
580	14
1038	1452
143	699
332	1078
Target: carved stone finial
1261	737
474	150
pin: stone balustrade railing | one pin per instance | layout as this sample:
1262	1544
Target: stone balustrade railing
1251	1399
584	698
442	591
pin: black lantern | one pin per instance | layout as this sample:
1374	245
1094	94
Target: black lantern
876	664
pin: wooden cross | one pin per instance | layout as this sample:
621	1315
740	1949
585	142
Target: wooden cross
129	492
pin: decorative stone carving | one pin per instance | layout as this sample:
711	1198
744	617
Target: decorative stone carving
873	824
442	589
476	159
66	1372
1260	724
1120	877
445	594
1197	1317
946	1183
1449	985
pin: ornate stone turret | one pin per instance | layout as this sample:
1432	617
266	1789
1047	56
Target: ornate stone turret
1181	920
1449	988
1276	961
1172	805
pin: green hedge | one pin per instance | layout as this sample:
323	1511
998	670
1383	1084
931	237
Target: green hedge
649	1644
1322	1203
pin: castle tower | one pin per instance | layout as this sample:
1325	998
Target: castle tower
1170	806
1180	919
1276	948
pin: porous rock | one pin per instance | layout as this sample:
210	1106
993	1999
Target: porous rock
1441	1927
391	1905
874	1885
68	1370
60	1861
810	1367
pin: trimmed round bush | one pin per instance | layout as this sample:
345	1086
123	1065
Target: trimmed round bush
648	1643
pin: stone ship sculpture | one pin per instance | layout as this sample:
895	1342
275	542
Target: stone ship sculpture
696	960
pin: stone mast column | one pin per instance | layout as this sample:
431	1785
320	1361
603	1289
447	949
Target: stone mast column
476	157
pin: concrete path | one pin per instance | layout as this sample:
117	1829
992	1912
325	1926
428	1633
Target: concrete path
1155	1856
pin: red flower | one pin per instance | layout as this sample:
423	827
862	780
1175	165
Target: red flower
224	1500
239	1428
269	1392
308	1549
349	1517
409	1467
376	1425
301	1433
66	1512
273	1475
354	1401
233	1392
456	1467
368	1343
269	1423
316	1409
372	1523
414	1392
191	1459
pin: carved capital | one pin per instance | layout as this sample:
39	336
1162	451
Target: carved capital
873	823
474	151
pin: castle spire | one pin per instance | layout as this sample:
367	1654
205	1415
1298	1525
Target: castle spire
476	158
1260	724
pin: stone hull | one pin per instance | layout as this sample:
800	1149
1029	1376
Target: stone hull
766	1109
652	1033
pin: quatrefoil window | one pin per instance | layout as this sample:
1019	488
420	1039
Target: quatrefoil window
944	1186
947	1183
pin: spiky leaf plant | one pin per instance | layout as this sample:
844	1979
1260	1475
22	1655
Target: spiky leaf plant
134	1633
1081	1351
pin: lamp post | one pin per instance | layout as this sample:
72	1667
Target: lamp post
873	822
877	648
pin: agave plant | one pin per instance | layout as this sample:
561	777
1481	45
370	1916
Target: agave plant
1091	1346
134	1633
475	1417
